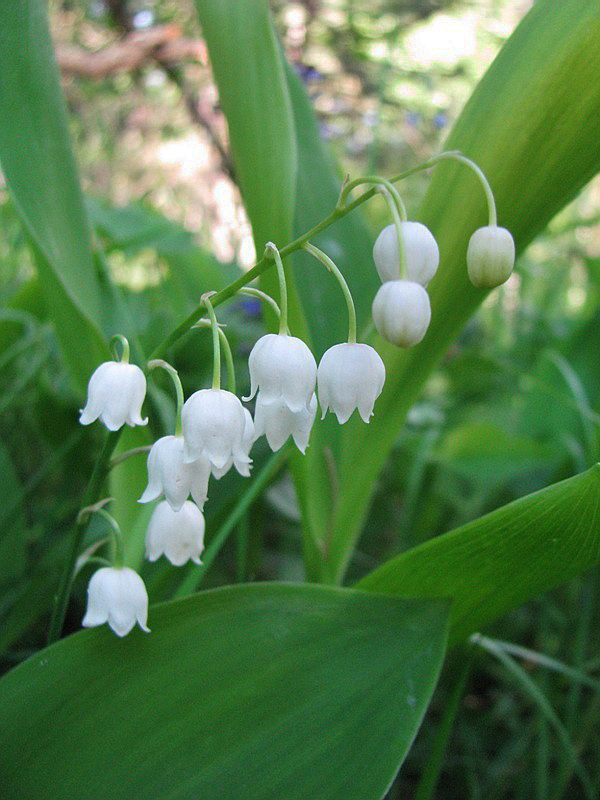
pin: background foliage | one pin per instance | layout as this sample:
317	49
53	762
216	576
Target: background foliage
510	408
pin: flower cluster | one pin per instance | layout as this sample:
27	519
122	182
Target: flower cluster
215	432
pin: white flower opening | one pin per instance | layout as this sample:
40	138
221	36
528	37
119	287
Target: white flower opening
178	535
214	424
402	312
247	442
420	248
350	376
115	394
277	422
170	476
282	368
117	595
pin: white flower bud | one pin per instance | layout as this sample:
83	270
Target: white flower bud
277	422
169	475
117	595
420	248
350	376
282	367
178	535
402	312
213	423
115	393
490	257
247	442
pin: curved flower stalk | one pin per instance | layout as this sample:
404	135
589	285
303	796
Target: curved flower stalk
278	422
402	312
350	376
171	476
117	595
178	535
420	249
115	393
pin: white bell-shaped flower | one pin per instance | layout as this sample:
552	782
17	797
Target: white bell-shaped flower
420	248
490	257
277	422
115	393
214	422
178	535
282	368
169	475
402	312
350	376
117	595
247	442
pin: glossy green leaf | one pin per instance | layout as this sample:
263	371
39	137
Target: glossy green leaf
503	559
41	175
531	125
260	691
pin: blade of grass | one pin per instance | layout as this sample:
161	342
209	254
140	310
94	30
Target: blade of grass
433	768
539	698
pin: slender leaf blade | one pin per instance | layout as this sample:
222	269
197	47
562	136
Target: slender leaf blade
41	175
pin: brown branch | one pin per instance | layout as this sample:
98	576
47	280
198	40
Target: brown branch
163	43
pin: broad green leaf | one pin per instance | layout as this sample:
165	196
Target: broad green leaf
40	172
531	126
260	691
502	559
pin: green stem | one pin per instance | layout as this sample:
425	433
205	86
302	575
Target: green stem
435	760
489	196
124	343
257	485
398	220
226	347
379	183
275	254
253	292
159	363
135	451
228	360
93	490
117	536
216	381
329	264
265	262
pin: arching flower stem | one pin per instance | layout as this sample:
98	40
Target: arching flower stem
329	264
252	291
216	381
489	196
265	262
272	252
205	323
93	490
117	537
159	363
118	337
